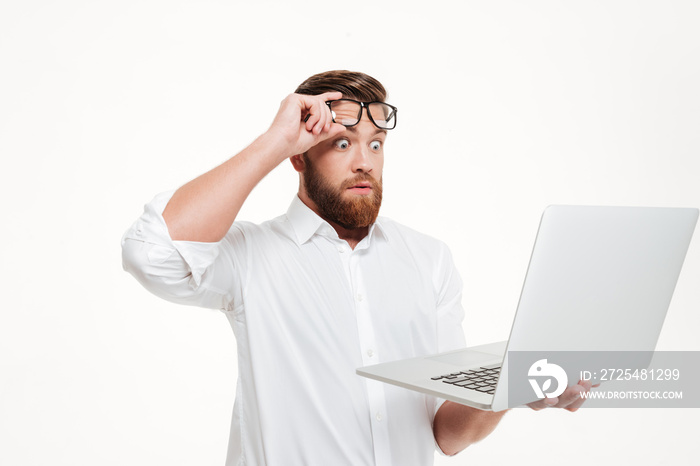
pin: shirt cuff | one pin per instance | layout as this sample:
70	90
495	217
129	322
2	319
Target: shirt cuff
438	402
151	228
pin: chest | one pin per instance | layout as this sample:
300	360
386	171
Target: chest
330	296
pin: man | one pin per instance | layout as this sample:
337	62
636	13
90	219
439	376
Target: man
317	292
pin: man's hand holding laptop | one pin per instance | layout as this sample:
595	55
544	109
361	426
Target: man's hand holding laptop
570	400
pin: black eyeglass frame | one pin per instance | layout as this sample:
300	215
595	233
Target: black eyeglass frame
369	113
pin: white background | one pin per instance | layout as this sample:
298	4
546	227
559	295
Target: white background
505	107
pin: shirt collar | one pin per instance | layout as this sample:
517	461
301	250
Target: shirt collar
307	223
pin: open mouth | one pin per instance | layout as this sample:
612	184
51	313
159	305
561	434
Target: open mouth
361	187
362	184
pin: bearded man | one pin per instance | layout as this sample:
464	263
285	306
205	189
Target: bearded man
317	292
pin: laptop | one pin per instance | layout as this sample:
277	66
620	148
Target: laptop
600	280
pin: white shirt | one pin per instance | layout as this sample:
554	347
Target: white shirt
307	310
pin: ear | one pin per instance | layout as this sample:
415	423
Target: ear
297	162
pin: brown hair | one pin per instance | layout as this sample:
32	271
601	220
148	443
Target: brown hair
352	84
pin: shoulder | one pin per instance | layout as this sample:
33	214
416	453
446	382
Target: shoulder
244	232
414	242
429	255
400	232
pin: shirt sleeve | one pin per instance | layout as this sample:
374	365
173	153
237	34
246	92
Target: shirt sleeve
450	313
185	272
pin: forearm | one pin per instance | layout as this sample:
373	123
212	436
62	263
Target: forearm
204	209
457	426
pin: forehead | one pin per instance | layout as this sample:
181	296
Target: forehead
346	111
345	108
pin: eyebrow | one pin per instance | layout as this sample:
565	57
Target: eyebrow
376	131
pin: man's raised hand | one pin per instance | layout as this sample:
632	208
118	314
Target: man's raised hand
304	121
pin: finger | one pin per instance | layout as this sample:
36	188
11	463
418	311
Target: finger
331	96
549	402
573	407
322	124
537	405
318	116
327	114
329	119
326	119
335	129
319	111
586	388
571	395
543	403
312	117
309	115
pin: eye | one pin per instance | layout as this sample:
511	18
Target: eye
341	144
375	145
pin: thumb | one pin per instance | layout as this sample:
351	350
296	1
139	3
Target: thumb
336	129
332	132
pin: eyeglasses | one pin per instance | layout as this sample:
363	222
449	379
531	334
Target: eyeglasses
348	112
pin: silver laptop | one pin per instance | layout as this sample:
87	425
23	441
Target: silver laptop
600	279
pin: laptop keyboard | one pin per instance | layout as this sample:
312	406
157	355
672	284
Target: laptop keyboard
482	379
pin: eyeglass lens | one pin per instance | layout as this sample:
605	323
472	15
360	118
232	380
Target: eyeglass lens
348	113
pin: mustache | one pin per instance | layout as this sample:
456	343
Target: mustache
360	178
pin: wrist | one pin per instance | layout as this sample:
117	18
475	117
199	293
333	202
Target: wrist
273	146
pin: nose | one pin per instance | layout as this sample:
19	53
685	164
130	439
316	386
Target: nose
361	160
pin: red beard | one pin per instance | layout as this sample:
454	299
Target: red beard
358	212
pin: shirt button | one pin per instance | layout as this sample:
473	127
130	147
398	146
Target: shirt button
341	249
359	296
379	417
370	352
